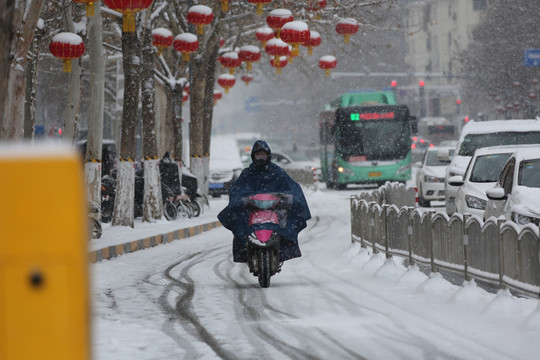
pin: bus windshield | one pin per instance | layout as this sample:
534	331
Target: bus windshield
374	140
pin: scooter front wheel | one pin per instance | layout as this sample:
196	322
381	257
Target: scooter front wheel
265	270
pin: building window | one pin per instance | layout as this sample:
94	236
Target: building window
449	40
479	5
428	43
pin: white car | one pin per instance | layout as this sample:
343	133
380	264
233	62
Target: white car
475	135
481	174
430	176
517	192
225	165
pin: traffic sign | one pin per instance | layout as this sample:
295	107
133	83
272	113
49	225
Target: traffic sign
531	57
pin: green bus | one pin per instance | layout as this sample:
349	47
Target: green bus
365	138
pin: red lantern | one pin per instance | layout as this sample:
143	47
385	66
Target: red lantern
327	62
281	63
226	81
89	6
277	18
224	5
185	96
186	43
66	46
259	4
162	38
295	33
200	15
128	8
217	95
247	78
221	42
347	27
231	61
277	48
249	54
314	41
264	34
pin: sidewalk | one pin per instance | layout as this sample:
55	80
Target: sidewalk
118	240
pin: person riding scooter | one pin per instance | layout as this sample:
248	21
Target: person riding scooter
263	176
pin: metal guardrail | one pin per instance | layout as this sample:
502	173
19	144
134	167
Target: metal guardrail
495	251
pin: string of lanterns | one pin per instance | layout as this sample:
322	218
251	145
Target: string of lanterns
280	38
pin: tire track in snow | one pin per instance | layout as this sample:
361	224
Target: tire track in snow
254	308
183	311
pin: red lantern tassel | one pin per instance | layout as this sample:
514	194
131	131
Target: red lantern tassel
67	65
90	9
128	24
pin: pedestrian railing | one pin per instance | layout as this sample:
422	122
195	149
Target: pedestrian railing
498	252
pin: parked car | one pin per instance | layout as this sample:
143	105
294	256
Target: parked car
430	176
475	135
516	193
299	166
225	165
481	174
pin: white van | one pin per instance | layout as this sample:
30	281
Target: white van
476	135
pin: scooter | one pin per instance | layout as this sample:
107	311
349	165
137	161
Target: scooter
266	215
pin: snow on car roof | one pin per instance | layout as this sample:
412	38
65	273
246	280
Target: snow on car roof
527	153
504	148
494	126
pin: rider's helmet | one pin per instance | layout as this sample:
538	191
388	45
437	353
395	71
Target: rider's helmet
261	153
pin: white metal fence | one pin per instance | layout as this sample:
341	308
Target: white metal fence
495	251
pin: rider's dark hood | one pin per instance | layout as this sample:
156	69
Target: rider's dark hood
260	145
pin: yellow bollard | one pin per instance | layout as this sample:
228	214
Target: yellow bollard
44	296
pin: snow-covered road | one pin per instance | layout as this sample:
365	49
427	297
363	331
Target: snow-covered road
188	300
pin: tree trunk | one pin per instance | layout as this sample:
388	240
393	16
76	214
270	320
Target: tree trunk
71	114
24	22
208	113
30	96
7	35
196	129
124	201
152	203
95	113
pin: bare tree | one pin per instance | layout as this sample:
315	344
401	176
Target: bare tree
496	82
124	200
7	33
152	202
25	18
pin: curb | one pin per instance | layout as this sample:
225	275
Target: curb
132	246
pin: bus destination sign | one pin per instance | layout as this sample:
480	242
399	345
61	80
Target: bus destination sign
372	116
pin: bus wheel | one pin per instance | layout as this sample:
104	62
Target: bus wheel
329	185
341	186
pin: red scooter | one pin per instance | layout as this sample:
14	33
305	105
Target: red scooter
267	212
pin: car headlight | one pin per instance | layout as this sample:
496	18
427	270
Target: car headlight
475	203
524	219
432	179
